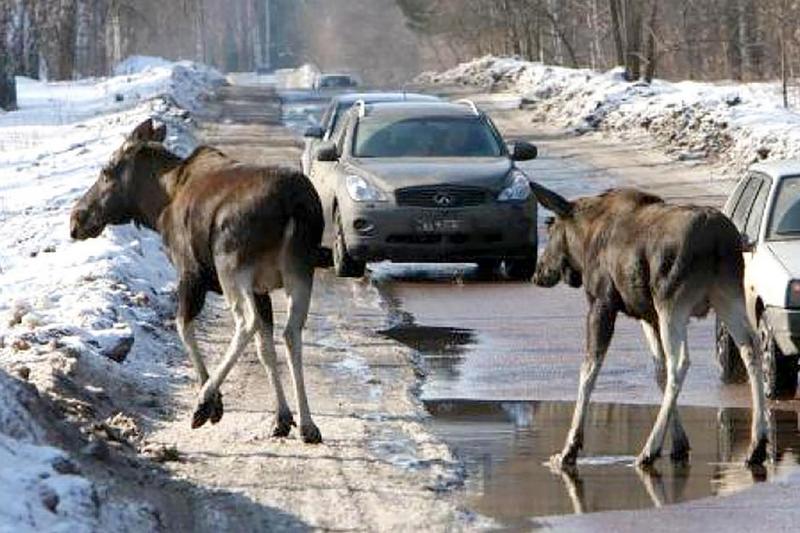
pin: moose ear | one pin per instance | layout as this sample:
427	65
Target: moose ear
159	133
142	132
145	132
552	201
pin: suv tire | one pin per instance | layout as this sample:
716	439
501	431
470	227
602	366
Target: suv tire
780	371
343	264
521	269
487	269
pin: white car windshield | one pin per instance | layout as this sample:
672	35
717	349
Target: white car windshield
785	221
425	137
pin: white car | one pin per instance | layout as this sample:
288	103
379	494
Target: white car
765	206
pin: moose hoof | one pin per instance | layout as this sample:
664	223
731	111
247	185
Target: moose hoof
201	414
561	461
679	455
646	460
757	454
283	424
310	433
680	451
217	410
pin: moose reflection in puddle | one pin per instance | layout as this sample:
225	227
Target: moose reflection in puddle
506	447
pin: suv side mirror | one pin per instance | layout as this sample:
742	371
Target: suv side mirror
327	152
523	151
314	132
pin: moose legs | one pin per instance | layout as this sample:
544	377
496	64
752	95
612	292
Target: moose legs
731	311
191	298
599	330
298	291
672	323
265	347
238	292
680	442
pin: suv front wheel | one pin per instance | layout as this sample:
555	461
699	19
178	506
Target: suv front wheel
521	269
780	371
343	264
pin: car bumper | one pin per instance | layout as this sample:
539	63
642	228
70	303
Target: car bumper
410	234
785	325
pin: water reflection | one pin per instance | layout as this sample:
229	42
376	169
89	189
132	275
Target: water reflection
506	447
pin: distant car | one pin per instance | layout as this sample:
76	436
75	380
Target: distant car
765	206
339	105
425	182
334	81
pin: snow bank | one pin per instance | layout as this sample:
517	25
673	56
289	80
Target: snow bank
738	123
67	305
139	64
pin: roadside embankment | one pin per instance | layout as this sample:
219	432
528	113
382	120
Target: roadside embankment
82	323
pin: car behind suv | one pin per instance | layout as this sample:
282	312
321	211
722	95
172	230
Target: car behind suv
425	182
765	206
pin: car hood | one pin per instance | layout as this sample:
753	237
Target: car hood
788	253
397	173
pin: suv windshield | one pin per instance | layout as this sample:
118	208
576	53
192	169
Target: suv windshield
425	137
785	221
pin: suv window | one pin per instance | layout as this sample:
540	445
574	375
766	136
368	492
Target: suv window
739	215
757	212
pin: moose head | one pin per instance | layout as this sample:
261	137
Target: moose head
558	262
117	195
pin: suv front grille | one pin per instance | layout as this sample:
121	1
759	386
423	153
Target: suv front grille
441	197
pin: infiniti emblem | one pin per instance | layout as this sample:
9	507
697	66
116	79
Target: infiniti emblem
442	199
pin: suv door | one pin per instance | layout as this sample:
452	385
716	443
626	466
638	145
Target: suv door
324	176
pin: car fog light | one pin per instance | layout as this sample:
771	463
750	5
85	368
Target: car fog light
363	226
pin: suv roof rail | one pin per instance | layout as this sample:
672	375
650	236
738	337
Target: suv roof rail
362	108
470	103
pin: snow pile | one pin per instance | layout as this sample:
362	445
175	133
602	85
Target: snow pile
77	306
139	64
740	123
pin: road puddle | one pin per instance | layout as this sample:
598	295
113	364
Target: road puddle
442	341
506	447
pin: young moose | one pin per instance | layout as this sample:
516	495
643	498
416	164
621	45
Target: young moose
229	228
661	264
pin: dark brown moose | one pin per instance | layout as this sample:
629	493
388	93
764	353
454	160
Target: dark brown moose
661	264
239	230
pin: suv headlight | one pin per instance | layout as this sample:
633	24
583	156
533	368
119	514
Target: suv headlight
360	190
518	191
793	294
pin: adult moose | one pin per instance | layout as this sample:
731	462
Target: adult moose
661	264
230	228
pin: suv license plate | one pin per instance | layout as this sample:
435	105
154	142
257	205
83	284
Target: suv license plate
442	225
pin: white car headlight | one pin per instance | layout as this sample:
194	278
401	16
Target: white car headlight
518	191
361	191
